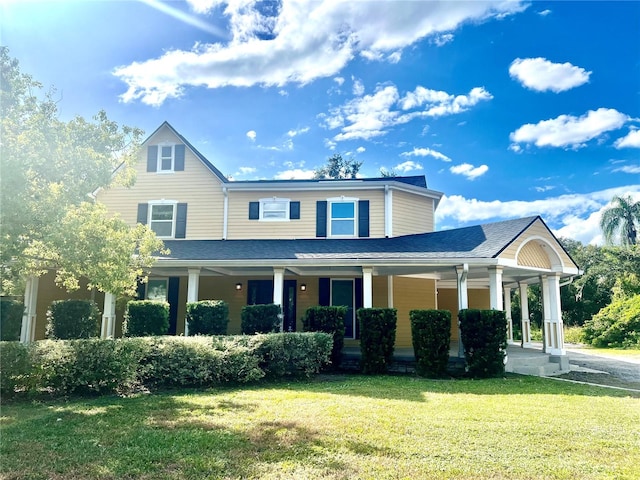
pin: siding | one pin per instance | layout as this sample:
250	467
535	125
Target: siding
411	213
533	255
411	294
448	300
196	185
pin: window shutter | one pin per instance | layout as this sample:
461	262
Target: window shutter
294	210
143	213
173	297
254	210
178	166
363	218
140	290
359	302
321	219
324	288
152	159
181	220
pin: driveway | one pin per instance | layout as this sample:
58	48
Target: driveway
619	369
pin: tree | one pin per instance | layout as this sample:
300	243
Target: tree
48	170
337	167
621	218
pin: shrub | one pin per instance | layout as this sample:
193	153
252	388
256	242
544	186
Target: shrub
144	317
71	319
484	336
10	319
208	317
573	334
260	319
616	325
329	320
15	368
377	338
431	335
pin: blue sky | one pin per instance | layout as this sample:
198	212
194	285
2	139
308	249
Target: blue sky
509	108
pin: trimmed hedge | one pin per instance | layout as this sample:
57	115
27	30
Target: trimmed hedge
208	317
431	335
329	320
377	338
125	365
72	319
484	336
145	317
260	319
11	312
616	325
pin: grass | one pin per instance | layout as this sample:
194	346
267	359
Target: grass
336	427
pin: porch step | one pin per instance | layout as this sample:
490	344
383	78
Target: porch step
539	365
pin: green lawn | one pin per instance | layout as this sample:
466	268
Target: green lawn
339	427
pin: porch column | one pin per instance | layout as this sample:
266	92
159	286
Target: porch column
390	291
507	310
463	299
367	287
278	290
192	292
524	309
553	328
28	330
495	290
108	316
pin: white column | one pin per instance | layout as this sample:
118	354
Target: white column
546	311
28	330
553	333
108	316
192	292
495	288
388	212
278	290
367	287
463	299
507	310
390	291
524	309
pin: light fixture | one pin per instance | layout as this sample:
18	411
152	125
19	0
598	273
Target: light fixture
303	287
238	286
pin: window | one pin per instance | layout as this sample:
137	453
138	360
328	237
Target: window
161	219
157	290
165	158
274	209
342	218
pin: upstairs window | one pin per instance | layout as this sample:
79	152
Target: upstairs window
161	219
342	218
165	158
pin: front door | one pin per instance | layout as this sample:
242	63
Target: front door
289	306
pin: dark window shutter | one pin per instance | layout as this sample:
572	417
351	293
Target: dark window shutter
143	213
294	210
254	210
359	302
140	290
173	297
181	221
152	158
324	289
178	166
363	218
321	219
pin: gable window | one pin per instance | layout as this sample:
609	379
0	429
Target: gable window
165	158
161	219
342	217
165	162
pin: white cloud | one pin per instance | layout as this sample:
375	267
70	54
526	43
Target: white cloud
251	135
628	169
283	93
245	171
544	13
408	166
361	149
424	152
540	74
544	188
339	80
439	103
395	57
297	43
570	131
294	174
293	133
443	39
358	87
469	170
631	140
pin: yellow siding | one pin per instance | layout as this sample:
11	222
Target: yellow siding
196	185
448	300
411	294
411	213
240	227
533	255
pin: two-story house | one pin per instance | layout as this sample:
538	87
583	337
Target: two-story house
298	243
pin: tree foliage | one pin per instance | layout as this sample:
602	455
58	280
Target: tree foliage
338	167
49	168
621	219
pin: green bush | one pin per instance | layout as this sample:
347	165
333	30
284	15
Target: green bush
377	338
431	335
71	319
15	369
10	319
573	334
616	325
484	336
329	320
144	318
260	319
208	317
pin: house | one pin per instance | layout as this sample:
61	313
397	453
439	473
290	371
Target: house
298	243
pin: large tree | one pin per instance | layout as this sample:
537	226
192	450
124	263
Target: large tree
621	219
49	169
338	167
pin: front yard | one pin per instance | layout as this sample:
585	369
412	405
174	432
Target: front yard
338	427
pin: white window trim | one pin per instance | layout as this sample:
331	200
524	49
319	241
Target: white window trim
173	157
287	209
353	302
173	217
330	202
166	289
